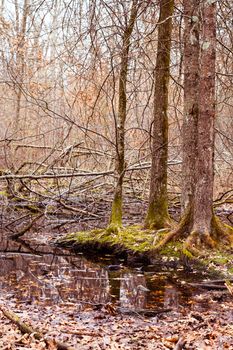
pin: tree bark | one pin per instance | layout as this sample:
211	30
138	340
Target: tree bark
205	228
20	58
157	213
198	221
191	95
116	212
203	196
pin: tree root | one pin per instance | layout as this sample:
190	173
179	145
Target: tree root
114	228
197	238
222	231
159	223
175	233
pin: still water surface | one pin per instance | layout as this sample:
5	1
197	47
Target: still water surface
56	276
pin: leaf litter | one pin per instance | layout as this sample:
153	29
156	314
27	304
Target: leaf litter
99	329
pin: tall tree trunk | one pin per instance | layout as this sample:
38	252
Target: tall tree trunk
20	57
203	196
191	95
203	223
198	222
116	213
157	213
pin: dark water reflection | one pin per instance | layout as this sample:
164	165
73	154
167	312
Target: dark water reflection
56	277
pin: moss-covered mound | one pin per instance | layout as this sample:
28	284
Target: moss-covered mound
133	244
136	245
129	243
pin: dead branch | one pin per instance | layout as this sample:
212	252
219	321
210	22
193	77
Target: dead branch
210	286
74	174
77	210
27	228
26	329
180	344
229	286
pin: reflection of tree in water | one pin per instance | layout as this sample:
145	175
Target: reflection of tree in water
157	286
133	292
50	277
166	292
114	279
171	296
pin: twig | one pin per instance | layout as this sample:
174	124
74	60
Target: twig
211	286
180	344
229	286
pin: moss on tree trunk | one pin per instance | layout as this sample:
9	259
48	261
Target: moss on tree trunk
116	211
157	213
198	222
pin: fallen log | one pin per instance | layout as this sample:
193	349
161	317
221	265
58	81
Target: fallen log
143	312
209	286
214	284
26	329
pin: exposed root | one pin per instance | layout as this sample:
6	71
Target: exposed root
196	240
175	233
158	223
158	234
222	231
114	228
189	246
168	237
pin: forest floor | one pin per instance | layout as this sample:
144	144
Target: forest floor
206	323
210	329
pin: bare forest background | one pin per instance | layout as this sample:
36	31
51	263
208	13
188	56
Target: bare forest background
60	66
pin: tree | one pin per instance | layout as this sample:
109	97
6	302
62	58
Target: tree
202	200
20	55
157	213
116	212
199	221
191	93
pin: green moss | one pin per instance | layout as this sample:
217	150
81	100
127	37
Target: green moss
113	228
116	213
187	253
220	260
222	257
172	249
157	215
3	194
132	237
